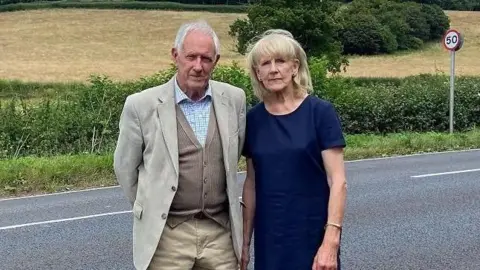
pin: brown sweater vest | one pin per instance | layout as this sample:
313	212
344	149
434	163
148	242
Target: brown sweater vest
202	179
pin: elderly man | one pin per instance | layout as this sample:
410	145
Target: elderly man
176	160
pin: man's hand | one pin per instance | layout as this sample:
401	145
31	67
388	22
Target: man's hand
245	257
326	258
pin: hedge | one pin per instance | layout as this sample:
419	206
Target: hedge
144	5
84	119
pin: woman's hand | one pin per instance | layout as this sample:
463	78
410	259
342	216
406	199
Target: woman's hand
326	258
245	257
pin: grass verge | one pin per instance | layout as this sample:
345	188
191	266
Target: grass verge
31	175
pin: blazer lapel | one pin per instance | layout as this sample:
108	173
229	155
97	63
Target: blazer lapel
222	114
168	121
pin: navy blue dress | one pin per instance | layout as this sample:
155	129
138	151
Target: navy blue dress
291	186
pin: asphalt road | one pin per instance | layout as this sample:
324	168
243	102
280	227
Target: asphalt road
415	212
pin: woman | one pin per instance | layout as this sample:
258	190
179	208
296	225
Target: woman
295	189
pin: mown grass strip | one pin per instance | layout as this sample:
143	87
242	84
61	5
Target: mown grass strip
58	173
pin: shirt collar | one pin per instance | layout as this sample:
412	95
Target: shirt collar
180	95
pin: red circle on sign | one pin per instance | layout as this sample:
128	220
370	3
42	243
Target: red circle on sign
458	41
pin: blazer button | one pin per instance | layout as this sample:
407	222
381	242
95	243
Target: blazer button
164	216
174	188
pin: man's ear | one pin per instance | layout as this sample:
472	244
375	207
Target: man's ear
174	54
218	58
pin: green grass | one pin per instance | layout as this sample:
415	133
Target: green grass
368	146
52	174
33	175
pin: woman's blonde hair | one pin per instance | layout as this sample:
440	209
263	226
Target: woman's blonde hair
278	43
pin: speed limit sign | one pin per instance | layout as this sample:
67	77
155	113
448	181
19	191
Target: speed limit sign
452	40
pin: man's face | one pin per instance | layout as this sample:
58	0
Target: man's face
195	61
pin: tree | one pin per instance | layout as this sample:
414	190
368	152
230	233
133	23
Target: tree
311	22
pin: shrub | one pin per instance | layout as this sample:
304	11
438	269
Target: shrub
436	19
85	120
363	34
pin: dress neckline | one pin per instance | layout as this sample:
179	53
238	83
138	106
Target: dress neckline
289	113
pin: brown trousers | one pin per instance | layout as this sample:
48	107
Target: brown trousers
197	244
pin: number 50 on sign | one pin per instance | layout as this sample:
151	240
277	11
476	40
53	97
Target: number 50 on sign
452	40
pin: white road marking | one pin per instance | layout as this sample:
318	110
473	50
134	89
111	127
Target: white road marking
445	173
415	155
58	193
61	220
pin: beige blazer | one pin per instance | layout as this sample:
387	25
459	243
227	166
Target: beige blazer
146	159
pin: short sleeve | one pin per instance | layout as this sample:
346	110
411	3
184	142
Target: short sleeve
328	127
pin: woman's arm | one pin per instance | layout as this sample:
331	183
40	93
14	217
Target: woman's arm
335	168
326	258
248	197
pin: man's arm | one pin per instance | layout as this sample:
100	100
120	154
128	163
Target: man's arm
128	152
242	124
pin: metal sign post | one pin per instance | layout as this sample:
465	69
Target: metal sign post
452	41
452	88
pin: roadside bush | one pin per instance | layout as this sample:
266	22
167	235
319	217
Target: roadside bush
85	119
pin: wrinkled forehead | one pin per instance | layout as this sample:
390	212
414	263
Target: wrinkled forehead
197	42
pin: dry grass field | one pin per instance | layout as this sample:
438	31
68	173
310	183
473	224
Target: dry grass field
69	45
432	59
66	45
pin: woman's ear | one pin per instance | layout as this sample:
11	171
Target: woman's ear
296	67
257	72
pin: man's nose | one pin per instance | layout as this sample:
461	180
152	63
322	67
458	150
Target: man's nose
197	66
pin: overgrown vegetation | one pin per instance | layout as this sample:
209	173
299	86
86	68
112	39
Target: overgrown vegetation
85	119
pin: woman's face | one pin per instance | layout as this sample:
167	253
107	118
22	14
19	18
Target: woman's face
276	74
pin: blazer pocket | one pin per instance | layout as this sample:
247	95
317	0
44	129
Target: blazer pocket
137	210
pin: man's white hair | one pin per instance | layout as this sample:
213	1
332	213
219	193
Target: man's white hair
201	26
